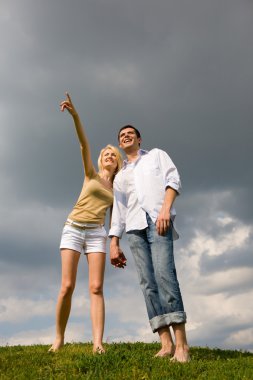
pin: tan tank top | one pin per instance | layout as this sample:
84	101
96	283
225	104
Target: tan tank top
92	203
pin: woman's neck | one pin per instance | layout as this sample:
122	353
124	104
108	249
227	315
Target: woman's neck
107	175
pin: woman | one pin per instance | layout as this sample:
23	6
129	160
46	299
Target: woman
84	233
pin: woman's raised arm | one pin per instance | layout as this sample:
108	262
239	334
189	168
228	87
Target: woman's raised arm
84	143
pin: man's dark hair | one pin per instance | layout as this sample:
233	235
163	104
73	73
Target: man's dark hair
130	126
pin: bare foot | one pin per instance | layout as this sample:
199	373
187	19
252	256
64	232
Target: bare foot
165	352
56	346
182	355
99	350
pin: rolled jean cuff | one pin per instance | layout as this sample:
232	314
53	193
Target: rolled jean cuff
167	320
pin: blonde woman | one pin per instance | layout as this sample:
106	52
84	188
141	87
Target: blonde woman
84	232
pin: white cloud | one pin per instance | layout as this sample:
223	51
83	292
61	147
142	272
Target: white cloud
208	308
75	332
234	239
237	338
225	281
78	332
225	220
132	334
167	67
18	310
230	235
216	302
128	305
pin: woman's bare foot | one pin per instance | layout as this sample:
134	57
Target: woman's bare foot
56	345
165	351
98	350
182	355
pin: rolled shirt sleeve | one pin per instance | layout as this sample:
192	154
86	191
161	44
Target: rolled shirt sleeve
169	170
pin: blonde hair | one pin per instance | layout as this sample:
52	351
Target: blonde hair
117	154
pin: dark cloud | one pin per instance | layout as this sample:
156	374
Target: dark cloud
180	71
235	258
26	255
190	82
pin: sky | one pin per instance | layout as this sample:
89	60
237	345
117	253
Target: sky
181	72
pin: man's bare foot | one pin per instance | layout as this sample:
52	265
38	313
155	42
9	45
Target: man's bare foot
169	351
56	346
182	355
98	350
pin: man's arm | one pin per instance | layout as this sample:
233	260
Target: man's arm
163	219
117	256
117	225
118	215
170	173
172	185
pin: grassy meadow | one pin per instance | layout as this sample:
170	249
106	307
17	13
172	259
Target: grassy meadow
121	361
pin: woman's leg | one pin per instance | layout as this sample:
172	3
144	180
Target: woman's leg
96	263
70	261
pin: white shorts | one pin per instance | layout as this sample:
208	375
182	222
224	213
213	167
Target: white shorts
84	241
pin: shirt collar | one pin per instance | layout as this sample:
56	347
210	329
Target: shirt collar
141	152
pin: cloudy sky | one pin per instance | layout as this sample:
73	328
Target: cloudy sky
181	72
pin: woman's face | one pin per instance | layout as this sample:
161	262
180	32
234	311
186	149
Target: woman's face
109	159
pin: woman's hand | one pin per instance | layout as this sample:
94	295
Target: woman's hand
84	143
68	105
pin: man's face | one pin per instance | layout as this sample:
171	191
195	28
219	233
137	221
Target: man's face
128	139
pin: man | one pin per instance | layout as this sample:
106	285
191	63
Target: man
144	192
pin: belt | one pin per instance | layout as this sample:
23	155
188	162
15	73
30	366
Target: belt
73	224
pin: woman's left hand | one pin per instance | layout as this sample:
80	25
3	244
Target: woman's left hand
68	104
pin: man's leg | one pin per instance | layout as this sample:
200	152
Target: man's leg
182	349
168	289
143	260
168	347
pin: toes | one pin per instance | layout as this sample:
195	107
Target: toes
163	353
52	349
99	351
184	358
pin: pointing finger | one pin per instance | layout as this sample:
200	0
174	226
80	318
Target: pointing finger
68	96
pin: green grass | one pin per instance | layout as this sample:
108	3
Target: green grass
121	361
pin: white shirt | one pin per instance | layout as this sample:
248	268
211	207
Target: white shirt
139	188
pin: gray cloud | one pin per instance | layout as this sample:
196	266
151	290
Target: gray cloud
195	75
181	72
238	258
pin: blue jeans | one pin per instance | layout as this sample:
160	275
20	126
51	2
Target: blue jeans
154	259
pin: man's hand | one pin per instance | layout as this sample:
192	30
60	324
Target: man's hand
163	221
118	259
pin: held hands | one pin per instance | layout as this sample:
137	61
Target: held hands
118	259
68	105
163	221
